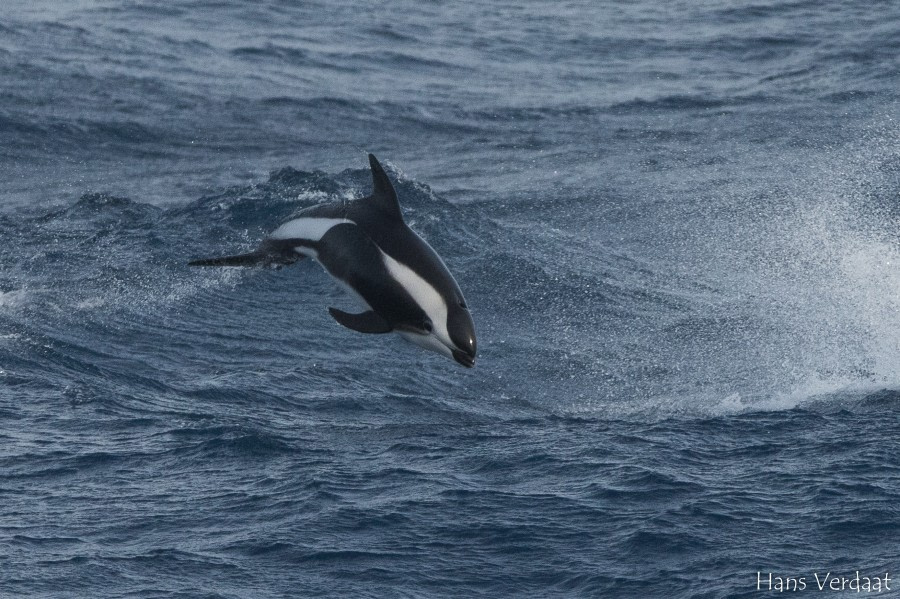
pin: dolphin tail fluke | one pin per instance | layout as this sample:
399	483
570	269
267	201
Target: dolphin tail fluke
257	258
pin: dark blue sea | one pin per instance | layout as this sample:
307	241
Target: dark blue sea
676	225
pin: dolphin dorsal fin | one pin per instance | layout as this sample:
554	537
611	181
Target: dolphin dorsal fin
383	194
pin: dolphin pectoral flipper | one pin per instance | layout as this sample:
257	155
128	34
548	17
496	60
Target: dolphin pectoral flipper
366	322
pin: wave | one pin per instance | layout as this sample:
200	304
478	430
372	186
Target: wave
692	102
603	330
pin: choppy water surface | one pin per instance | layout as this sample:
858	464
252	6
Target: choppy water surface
675	224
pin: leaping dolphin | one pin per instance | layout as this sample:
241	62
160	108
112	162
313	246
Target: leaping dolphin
369	249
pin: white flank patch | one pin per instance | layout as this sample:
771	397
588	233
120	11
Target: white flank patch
309	228
424	294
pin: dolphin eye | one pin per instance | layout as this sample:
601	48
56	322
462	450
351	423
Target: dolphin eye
462	304
427	326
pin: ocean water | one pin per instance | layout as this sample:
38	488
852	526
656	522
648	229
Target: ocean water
675	223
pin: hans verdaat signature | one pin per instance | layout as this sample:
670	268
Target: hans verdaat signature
767	581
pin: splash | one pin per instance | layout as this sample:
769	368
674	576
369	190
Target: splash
819	281
786	294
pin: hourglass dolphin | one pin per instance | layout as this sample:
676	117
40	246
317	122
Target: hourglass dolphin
369	249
